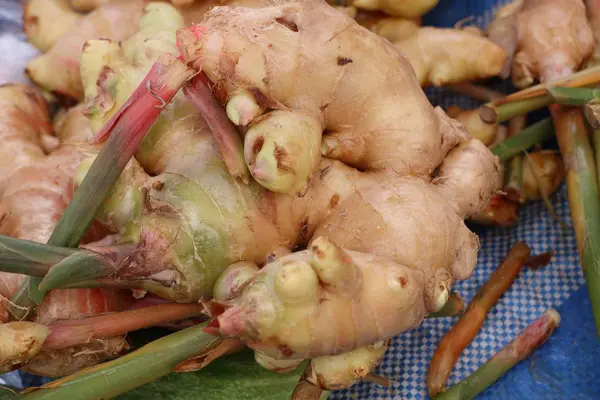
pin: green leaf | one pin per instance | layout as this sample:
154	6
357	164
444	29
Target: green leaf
233	377
8	393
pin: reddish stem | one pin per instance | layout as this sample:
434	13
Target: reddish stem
72	332
226	136
461	334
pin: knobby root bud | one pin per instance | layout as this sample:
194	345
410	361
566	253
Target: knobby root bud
296	282
242	108
282	149
20	341
333	265
232	279
344	370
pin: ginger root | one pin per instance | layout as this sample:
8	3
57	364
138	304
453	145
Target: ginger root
45	21
392	28
39	184
377	194
58	69
442	56
398	8
555	39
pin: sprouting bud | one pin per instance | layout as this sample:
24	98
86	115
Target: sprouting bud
242	108
281	150
437	291
20	341
234	277
343	370
296	282
332	264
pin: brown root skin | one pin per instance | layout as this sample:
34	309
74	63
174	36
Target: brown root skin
346	138
58	70
45	21
404	9
504	32
593	14
393	29
442	56
555	38
24	123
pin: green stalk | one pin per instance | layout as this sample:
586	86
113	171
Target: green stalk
591	111
583	194
533	134
514	182
150	362
455	306
573	96
125	132
86	265
516	351
227	137
597	151
535	97
496	114
20	256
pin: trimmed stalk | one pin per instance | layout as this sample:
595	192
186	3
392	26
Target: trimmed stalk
592	114
71	332
227	138
591	111
533	134
455	306
466	328
147	364
516	351
573	96
514	182
535	97
539	261
124	133
583	194
86	265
